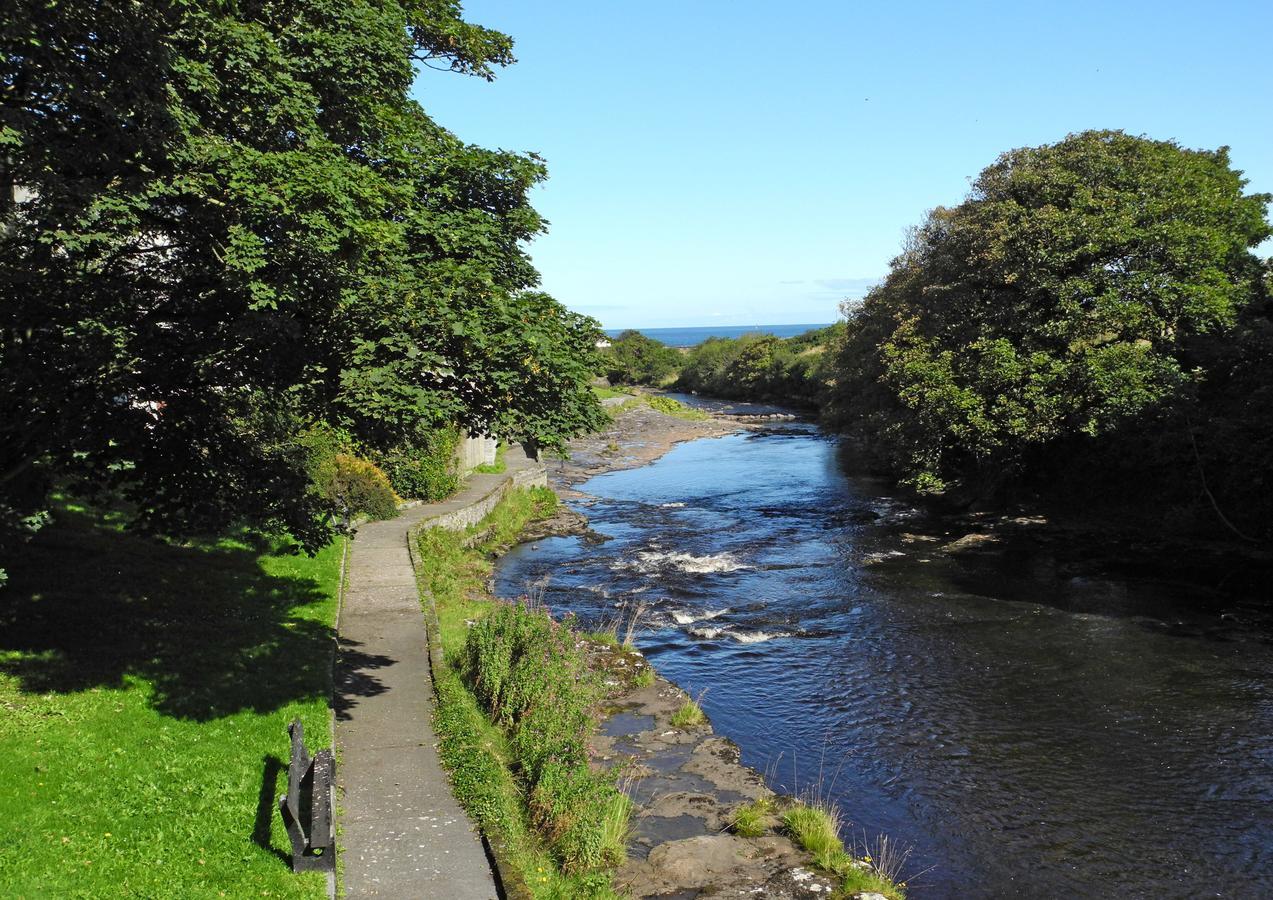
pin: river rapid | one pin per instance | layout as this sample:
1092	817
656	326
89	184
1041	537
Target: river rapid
1029	727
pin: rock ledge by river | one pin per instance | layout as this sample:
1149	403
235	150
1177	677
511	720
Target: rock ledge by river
686	784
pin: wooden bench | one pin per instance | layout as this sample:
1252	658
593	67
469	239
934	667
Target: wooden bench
307	806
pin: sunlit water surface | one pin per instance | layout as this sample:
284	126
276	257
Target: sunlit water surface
1029	731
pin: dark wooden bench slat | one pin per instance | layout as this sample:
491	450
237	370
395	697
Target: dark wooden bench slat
308	802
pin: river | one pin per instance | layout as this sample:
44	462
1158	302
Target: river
1027	730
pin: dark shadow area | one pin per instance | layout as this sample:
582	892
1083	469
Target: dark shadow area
266	806
354	679
88	605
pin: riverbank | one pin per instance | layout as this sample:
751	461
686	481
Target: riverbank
638	435
702	821
685	786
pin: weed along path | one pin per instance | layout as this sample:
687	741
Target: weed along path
402	832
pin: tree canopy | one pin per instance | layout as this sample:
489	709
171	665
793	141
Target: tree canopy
230	223
634	358
791	370
1068	298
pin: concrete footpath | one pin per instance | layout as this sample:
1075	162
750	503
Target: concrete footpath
403	833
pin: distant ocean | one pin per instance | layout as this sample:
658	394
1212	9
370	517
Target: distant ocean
691	337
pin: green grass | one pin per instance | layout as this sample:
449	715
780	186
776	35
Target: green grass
673	407
484	765
816	827
669	406
496	467
752	820
656	401
606	638
615	411
688	715
606	393
645	677
145	689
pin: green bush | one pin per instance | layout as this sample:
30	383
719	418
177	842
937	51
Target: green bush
423	468
526	671
321	444
633	358
793	370
351	485
673	407
361	488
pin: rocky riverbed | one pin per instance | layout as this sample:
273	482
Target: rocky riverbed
686	784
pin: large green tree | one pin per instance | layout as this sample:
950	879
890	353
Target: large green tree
226	222
635	358
1066	298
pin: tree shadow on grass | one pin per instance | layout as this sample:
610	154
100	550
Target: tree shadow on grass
213	633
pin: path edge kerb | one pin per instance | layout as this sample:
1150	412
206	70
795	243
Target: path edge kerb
509	880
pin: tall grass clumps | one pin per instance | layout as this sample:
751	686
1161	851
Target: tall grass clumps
816	825
751	820
688	715
528	674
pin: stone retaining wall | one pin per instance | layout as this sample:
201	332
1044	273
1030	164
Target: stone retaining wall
519	474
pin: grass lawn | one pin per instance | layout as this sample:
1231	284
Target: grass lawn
145	689
605	393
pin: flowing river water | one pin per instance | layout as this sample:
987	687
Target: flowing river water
1029	731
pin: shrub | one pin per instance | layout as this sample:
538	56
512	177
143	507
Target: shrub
423	468
633	358
321	444
361	488
351	485
792	370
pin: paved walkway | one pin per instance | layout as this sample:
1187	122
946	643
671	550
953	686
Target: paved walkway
404	834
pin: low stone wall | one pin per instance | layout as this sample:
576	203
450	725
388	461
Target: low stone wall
521	472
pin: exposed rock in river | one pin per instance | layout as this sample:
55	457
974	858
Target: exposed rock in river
687	784
562	523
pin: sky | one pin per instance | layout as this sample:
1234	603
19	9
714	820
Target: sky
746	163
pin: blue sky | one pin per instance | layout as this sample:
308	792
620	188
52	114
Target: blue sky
747	163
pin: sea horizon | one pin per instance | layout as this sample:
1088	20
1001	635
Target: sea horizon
692	336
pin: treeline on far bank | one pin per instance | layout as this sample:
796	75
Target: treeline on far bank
1092	327
794	371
